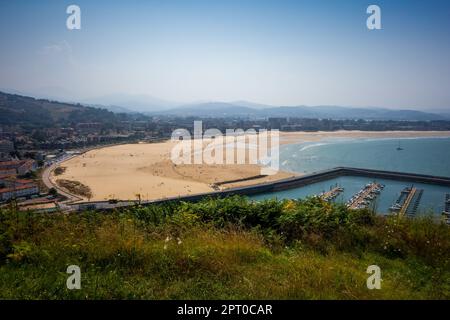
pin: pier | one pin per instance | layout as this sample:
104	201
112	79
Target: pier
397	176
447	203
408	202
280	185
446	212
332	194
365	196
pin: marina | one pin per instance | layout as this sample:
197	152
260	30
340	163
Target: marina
408	202
446	212
332	194
309	185
431	198
447	203
363	198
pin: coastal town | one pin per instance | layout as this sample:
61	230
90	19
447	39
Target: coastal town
79	153
19	184
215	153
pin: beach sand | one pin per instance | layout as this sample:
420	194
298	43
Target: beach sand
124	171
299	137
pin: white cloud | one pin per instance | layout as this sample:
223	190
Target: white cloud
63	49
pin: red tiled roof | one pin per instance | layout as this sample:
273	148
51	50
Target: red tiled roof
23	181
17	188
15	163
11	163
6	176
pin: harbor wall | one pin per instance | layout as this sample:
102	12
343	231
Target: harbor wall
284	184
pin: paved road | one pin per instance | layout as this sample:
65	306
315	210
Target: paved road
69	204
49	183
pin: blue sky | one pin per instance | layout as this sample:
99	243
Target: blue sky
316	52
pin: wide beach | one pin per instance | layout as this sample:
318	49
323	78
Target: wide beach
145	170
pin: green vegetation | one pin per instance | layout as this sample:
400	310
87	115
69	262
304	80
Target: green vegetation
75	187
223	249
59	171
42	113
53	192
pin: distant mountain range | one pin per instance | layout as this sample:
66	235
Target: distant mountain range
220	109
148	105
153	106
130	103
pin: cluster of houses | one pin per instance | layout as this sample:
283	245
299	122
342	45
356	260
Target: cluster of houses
6	147
11	186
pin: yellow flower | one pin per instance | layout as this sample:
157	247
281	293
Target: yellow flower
289	205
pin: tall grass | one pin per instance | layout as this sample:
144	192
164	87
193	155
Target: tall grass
223	248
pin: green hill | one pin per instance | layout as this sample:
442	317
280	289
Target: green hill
223	249
27	111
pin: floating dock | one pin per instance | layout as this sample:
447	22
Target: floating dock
284	184
446	212
363	198
408	201
332	194
447	203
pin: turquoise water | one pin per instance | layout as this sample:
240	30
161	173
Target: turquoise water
432	199
419	155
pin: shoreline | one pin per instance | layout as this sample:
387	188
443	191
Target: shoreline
144	170
317	136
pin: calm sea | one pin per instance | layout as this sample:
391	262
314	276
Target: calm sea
418	155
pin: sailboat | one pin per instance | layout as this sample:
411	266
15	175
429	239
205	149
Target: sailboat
399	148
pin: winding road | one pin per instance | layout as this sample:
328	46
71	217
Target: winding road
50	184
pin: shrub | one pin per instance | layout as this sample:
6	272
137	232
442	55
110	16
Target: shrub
223	248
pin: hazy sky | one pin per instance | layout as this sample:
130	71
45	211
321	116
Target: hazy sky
312	52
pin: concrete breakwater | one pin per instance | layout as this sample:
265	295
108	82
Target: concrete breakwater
280	185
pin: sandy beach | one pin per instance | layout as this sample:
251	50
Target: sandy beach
298	137
128	171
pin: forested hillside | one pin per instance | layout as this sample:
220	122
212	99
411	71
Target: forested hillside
27	111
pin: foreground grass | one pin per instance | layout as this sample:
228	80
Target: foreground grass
223	249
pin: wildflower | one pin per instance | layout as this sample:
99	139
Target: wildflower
179	241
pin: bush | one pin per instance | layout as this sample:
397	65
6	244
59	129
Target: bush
223	248
5	235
